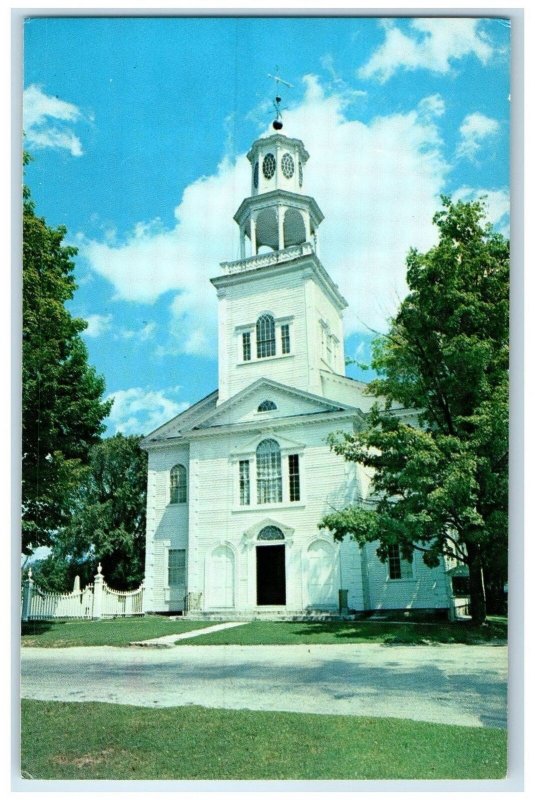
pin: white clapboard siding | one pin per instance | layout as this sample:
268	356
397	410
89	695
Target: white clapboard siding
426	588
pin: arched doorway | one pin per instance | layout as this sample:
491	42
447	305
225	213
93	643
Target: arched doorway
270	567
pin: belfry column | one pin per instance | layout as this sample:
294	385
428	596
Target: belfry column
306	220
253	235
281	211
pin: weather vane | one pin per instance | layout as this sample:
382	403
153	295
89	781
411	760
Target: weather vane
277	122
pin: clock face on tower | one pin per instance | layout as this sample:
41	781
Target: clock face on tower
268	166
287	165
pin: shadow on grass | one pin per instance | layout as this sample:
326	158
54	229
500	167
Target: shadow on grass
38	627
408	633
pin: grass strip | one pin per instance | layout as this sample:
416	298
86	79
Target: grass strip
264	632
115	632
101	741
120	632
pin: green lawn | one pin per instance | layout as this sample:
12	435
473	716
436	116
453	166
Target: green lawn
262	632
126	742
118	632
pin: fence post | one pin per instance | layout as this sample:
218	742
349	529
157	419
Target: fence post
98	591
27	588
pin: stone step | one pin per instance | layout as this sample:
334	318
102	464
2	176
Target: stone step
269	616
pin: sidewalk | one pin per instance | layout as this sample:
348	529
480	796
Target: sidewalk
170	639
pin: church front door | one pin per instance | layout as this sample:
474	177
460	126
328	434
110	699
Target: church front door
270	575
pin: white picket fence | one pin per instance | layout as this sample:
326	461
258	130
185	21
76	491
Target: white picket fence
97	600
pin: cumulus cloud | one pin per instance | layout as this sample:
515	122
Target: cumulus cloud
475	129
97	324
48	121
432	43
139	410
143	334
378	185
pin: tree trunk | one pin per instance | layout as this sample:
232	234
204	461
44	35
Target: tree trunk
478	603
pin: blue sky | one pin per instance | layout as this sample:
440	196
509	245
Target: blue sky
139	128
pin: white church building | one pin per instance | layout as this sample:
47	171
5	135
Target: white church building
239	481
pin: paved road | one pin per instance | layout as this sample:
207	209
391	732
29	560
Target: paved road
455	684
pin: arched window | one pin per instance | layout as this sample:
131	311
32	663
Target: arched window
267	405
178	489
270	534
265	336
268	472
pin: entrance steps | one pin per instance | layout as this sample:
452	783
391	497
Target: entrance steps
270	616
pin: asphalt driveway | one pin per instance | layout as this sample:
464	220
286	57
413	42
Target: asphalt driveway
454	684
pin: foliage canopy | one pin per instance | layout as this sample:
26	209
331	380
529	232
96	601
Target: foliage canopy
440	471
107	523
62	406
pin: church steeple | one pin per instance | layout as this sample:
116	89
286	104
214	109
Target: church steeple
280	313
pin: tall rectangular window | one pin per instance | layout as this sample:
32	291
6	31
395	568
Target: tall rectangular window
398	567
176	568
245	484
285	338
293	474
246	344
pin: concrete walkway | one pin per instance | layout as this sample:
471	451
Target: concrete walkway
170	639
455	684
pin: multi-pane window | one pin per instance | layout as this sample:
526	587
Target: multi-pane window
398	567
285	338
176	568
293	476
246	346
270	534
268	472
178	487
245	484
267	405
265	336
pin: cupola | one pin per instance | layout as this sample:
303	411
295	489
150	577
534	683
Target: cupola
277	214
277	163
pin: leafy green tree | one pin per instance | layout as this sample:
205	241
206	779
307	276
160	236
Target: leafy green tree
62	407
440	484
108	520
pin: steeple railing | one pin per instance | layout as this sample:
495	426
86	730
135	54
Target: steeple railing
268	259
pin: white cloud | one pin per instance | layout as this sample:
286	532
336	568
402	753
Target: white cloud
143	334
378	185
433	105
475	128
48	121
140	410
431	43
97	324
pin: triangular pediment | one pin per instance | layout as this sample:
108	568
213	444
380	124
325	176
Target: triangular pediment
278	400
183	421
